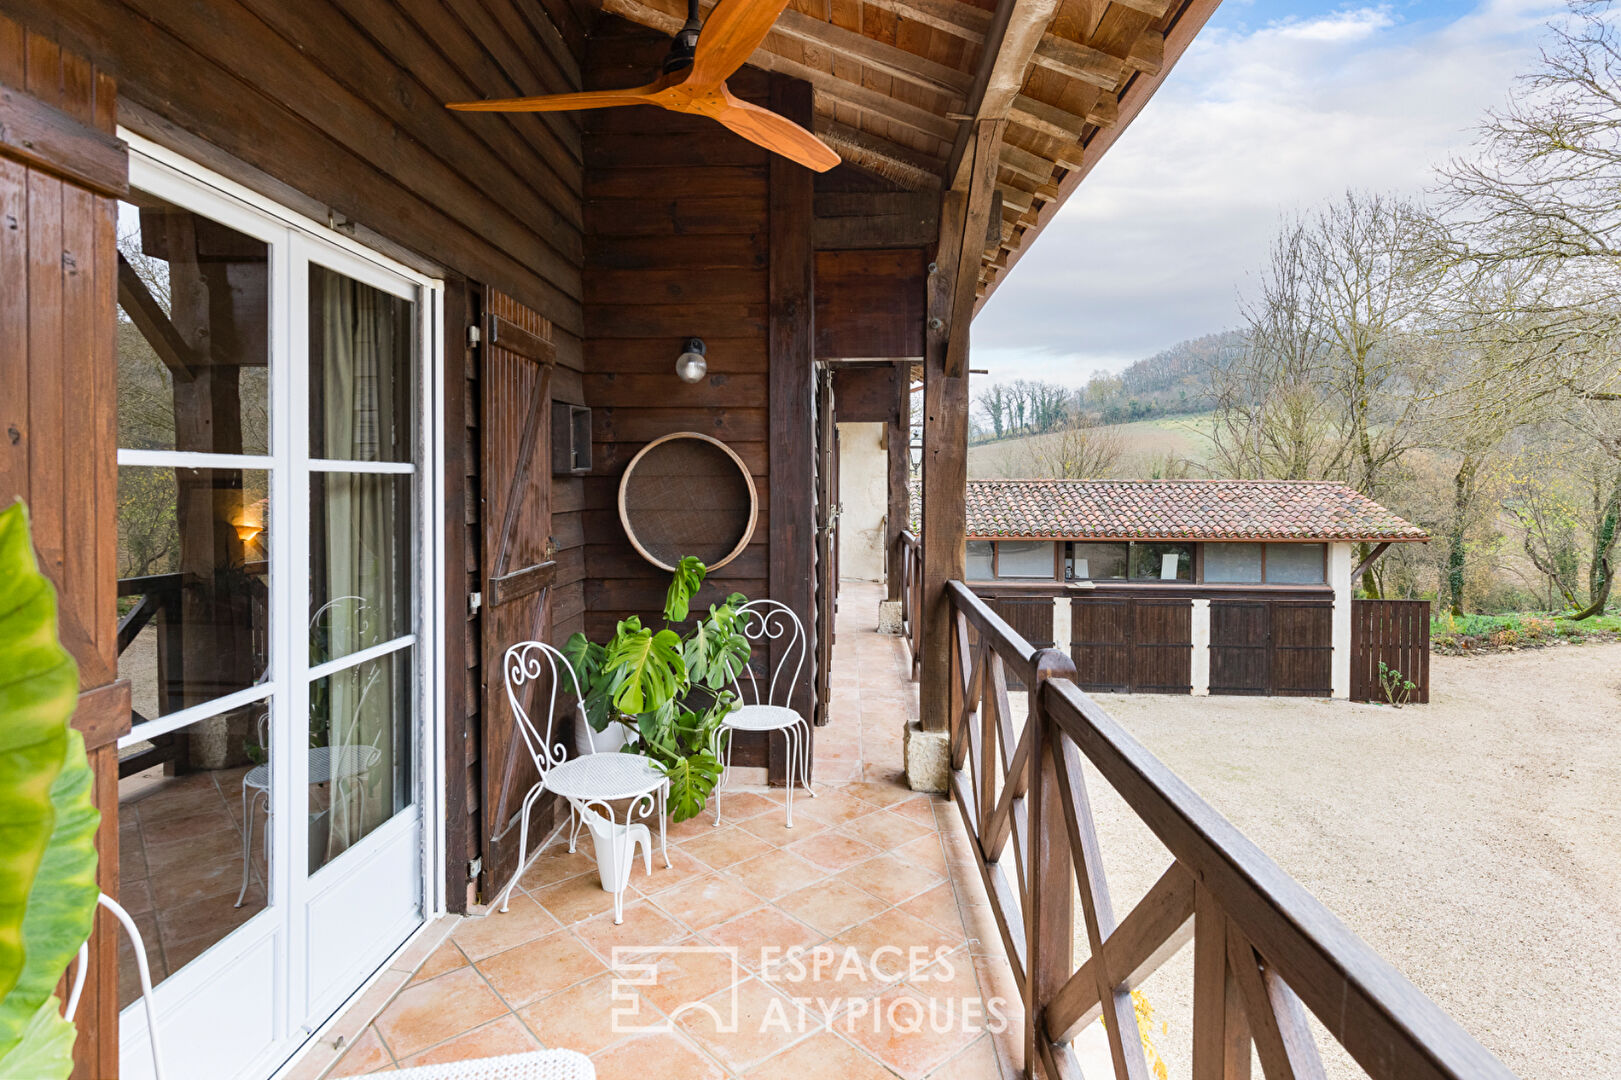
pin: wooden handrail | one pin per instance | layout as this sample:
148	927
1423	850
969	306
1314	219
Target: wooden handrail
909	553
1265	949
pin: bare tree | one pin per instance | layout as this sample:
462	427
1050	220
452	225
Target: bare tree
993	402
1075	453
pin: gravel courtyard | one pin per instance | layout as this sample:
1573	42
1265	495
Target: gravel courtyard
1475	842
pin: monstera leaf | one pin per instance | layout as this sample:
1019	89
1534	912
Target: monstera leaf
47	822
684	584
647	668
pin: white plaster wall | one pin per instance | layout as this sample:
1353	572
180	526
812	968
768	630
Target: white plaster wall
1061	622
1339	576
1201	648
864	500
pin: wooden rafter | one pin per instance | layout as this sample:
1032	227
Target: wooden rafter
1010	42
947	16
908	168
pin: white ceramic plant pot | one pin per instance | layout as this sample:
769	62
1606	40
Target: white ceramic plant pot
587	741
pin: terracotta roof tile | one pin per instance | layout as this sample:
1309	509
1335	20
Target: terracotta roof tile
1179	509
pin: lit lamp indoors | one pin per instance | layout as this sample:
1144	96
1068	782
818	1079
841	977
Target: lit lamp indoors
248	533
690	366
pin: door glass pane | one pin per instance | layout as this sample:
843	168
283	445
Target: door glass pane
184	858
1162	562
1024	559
1294	564
361	720
1098	562
193	332
193	584
360	561
362	371
1232	563
979	560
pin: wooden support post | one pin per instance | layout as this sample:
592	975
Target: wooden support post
981	190
899	437
792	391
945	472
1050	929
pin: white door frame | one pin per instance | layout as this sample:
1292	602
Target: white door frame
268	944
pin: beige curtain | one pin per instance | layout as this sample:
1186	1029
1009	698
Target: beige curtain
358	334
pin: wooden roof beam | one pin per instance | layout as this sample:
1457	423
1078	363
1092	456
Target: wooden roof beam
1056	123
1015	31
953	17
1081	62
910	169
1021	161
854	93
892	61
1147	53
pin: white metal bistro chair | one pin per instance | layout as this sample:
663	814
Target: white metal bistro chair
335	765
141	969
591	783
769	621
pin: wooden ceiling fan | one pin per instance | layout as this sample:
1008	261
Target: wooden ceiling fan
702	56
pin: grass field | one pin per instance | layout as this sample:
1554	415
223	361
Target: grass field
1145	444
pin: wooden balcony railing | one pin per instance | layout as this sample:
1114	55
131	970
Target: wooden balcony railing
909	555
1265	950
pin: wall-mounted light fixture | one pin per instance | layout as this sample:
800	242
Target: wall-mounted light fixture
690	366
248	533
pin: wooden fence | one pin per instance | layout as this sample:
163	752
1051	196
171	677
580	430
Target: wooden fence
1265	950
1396	632
909	552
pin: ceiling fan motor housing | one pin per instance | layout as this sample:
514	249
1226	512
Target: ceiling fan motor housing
685	45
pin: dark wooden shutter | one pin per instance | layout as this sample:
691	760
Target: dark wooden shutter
1031	616
1100	643
1162	646
1240	647
516	566
1303	648
61	171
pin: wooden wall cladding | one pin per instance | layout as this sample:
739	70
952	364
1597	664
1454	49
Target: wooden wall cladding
867	394
870	303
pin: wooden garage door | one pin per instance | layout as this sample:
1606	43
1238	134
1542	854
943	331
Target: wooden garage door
1132	645
1271	647
1031	616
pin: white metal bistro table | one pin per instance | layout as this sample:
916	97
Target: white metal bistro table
592	783
533	1065
328	765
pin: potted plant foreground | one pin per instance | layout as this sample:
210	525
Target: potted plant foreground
668	692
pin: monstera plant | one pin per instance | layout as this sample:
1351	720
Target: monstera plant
47	822
669	690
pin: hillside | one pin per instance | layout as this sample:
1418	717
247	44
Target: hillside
1145	448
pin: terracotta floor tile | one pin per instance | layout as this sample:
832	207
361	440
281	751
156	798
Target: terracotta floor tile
777	873
701	825
833	905
682	869
891	878
927	851
738	806
367	1054
919	809
704	901
882	794
978	1062
759	931
910	942
556	863
524	920
656	1056
832	850
433	1011
885	830
908	1032
938	907
773	828
821	1057
447	957
833	807
645	927
575	900
579	1018
725	846
506	1035
680	977
539	967
748	1026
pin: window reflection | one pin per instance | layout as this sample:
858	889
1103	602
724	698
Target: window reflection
362	352
193	332
360	752
193	585
360	562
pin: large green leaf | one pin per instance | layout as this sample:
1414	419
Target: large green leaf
684	583
647	667
45	1051
62	903
38	690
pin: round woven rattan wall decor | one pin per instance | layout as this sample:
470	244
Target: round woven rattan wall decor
688	494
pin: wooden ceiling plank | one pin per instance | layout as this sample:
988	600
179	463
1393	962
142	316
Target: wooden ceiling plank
899	63
948	16
1154	8
1080	62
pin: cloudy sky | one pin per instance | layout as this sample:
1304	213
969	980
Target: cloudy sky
1278	105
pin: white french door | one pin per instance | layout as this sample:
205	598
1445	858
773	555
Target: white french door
276	392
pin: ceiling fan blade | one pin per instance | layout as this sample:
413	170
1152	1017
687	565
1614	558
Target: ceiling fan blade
590	99
776	133
730	35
